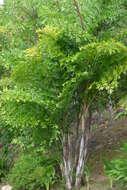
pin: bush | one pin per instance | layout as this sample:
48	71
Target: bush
6	160
6	152
2	168
32	171
116	169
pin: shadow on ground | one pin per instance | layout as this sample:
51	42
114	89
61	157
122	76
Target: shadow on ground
105	141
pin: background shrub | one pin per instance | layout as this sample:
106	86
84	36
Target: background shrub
32	171
116	169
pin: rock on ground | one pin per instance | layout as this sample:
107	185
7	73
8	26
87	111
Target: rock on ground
6	187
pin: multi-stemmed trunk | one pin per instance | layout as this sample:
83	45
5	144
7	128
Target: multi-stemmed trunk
75	145
75	148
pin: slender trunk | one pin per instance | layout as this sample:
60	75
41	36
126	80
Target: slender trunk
79	14
67	162
82	159
79	169
67	175
83	148
111	109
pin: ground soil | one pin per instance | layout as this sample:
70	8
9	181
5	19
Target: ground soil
105	141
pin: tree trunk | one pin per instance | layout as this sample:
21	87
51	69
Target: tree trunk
68	176
67	161
74	159
111	109
83	149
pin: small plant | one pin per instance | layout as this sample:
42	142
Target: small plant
32	171
2	168
116	169
6	160
87	175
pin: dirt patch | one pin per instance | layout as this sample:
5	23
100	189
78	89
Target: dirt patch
105	141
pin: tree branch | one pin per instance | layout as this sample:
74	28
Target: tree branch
79	14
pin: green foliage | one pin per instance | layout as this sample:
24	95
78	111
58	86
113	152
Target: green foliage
87	176
2	168
7	150
50	68
32	171
116	169
23	18
57	72
123	104
7	155
121	114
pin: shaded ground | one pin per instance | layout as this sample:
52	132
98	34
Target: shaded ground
105	141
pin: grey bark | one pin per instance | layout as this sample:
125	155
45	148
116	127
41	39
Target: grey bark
67	161
111	108
75	158
83	148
